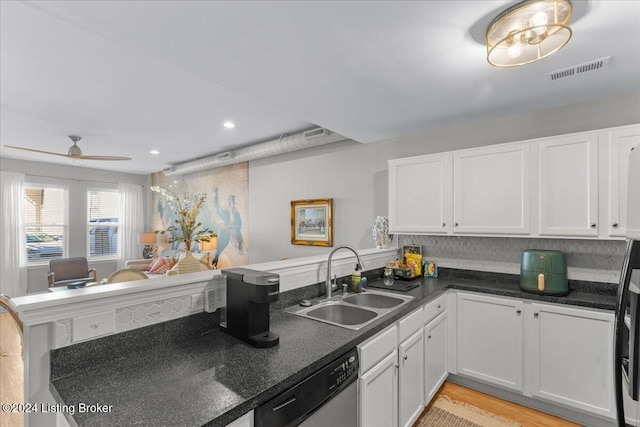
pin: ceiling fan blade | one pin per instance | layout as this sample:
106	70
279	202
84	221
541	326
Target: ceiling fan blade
39	151
103	158
82	157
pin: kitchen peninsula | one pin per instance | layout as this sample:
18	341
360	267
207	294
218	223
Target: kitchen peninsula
166	374
55	320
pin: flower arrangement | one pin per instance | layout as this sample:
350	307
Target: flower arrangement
186	207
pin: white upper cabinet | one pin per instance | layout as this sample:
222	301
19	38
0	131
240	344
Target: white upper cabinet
420	194
620	142
562	186
491	190
568	196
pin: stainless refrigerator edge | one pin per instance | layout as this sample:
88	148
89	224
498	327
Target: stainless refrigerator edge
627	320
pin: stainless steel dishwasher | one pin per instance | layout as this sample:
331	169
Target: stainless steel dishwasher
329	397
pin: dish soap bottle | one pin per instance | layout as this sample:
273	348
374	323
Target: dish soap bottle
355	280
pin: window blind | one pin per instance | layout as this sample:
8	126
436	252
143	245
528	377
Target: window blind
102	211
45	223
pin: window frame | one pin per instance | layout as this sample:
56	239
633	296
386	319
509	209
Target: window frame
64	242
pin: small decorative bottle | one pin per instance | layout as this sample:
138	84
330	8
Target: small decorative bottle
355	280
387	278
380	230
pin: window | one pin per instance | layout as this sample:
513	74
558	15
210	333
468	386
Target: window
102	211
45	223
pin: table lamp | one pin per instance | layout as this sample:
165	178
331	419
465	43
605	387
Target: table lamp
209	246
148	239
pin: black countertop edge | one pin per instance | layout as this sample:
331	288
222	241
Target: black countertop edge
581	293
339	341
493	278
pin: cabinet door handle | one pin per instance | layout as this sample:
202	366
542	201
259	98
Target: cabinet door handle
535	314
439	306
518	311
455	224
593	225
614	225
429	336
405	357
444	224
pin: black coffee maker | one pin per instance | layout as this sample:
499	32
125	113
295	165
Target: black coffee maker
249	293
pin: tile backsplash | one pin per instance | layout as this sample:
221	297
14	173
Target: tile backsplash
591	260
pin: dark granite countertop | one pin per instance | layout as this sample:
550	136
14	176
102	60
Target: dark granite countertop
583	294
213	378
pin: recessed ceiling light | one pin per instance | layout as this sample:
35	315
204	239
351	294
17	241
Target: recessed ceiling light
229	125
154	152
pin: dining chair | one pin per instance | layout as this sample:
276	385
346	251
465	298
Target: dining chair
70	271
126	275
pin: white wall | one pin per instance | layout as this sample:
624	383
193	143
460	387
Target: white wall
355	175
78	180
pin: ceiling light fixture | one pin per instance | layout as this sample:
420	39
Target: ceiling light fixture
154	152
528	31
229	125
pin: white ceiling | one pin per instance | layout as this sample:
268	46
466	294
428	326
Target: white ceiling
131	76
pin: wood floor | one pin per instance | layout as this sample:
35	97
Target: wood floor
11	371
526	416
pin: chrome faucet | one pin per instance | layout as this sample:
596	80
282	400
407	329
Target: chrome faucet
328	283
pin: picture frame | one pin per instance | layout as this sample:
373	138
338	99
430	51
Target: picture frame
312	222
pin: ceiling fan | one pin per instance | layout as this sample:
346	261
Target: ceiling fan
74	152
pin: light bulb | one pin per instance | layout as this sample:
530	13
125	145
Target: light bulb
514	44
540	19
515	50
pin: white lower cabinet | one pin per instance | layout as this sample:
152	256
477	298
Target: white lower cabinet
378	394
435	356
572	357
490	339
391	380
566	352
411	378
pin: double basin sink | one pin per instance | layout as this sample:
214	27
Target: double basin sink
352	311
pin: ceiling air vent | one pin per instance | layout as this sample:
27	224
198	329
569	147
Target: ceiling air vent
576	70
314	133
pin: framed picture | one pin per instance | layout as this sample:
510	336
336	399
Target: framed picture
312	222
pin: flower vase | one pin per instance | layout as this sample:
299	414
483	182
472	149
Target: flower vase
381	235
188	264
